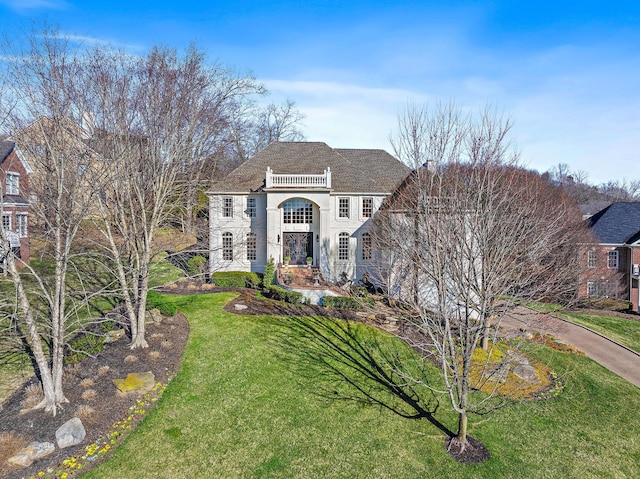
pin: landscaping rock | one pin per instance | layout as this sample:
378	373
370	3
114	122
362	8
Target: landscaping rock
153	316
240	307
526	373
30	453
70	433
113	336
136	383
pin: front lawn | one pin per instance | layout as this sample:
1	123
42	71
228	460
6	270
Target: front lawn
238	409
625	331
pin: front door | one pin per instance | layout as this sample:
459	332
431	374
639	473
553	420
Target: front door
298	246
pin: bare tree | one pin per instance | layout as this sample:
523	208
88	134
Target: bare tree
255	127
159	120
621	190
467	238
45	74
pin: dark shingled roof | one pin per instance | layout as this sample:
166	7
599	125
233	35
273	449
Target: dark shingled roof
618	223
6	147
355	171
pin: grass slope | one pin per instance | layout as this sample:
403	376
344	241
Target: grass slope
237	410
622	330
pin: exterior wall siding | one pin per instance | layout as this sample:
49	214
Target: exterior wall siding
270	229
596	273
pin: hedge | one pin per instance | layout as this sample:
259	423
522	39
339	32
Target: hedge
347	302
236	279
286	295
156	301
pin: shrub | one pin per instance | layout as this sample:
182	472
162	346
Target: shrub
359	291
346	302
196	265
82	346
286	295
269	274
157	301
609	304
236	279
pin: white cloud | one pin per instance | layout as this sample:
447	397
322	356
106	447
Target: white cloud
345	115
25	5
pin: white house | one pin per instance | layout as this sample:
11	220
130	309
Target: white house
301	200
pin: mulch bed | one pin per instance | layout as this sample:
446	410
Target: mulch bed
166	345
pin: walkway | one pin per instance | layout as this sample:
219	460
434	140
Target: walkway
609	354
307	281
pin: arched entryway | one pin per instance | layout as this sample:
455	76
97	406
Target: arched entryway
299	220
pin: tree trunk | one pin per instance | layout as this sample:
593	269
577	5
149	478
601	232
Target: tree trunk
49	402
462	427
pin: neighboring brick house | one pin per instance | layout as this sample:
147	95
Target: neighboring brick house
14	175
611	260
300	200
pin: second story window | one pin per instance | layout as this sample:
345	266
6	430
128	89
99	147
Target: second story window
227	207
343	207
251	207
12	181
592	259
298	211
612	260
6	222
367	207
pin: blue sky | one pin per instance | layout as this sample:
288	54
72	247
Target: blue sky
568	72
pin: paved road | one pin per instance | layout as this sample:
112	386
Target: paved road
611	355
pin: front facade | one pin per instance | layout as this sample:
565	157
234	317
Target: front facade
14	177
611	261
301	202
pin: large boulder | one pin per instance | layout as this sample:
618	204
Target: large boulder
135	383
526	373
30	453
70	433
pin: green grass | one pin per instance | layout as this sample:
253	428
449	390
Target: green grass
238	409
622	330
163	272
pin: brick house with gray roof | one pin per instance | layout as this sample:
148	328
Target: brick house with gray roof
612	257
14	178
300	201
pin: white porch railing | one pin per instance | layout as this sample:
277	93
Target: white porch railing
273	180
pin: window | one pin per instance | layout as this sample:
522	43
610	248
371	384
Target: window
12	181
21	225
6	222
227	246
251	207
343	207
343	246
367	207
298	211
612	260
251	247
366	246
592	259
227	207
599	289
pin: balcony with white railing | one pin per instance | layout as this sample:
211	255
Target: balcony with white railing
285	180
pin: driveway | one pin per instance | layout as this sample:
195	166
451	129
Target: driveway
611	355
